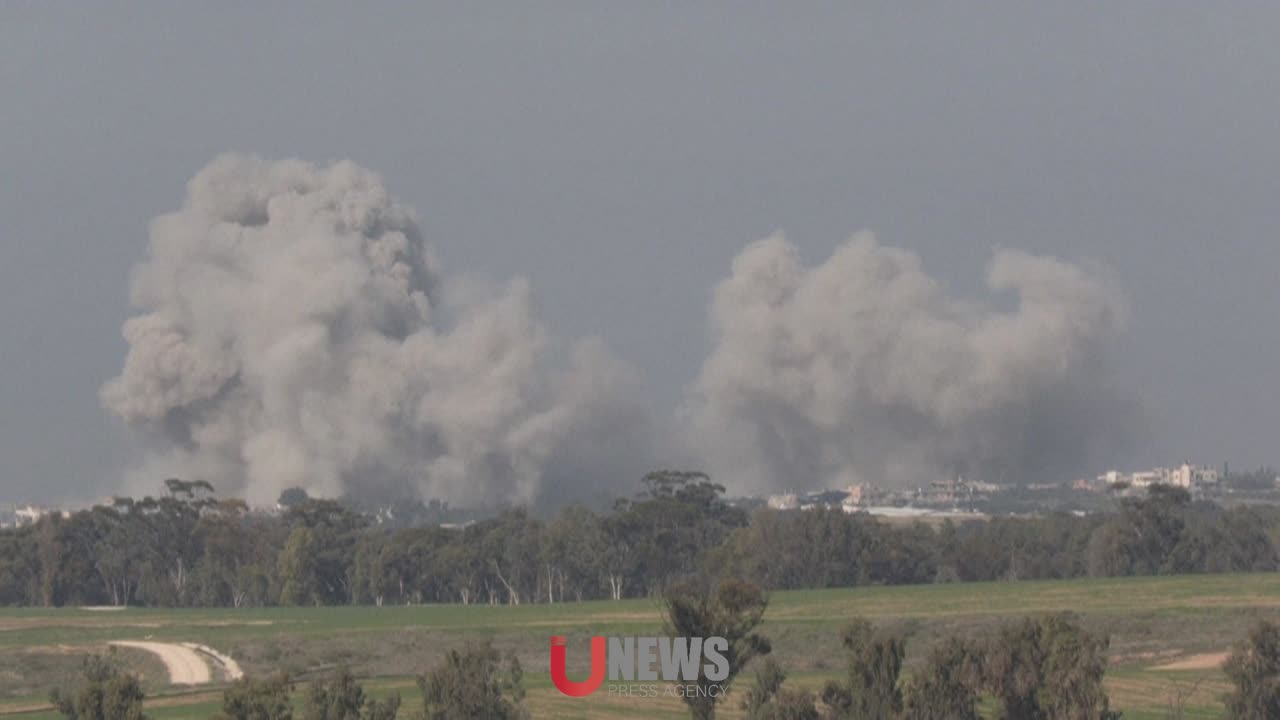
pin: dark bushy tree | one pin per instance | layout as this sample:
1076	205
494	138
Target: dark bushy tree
1254	671
340	697
731	609
946	686
767	699
108	693
265	699
474	683
1147	536
1048	668
1075	664
870	690
292	497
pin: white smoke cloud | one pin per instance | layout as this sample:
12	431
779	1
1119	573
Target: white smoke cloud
296	331
863	369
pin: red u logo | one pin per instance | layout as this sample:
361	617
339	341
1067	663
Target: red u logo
562	682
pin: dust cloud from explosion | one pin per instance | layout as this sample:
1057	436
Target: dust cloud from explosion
296	330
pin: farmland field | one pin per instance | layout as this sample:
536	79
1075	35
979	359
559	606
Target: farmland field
1184	622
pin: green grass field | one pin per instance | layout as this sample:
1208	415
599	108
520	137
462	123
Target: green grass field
1151	621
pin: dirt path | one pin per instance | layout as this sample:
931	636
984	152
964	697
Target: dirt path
230	668
185	665
1204	661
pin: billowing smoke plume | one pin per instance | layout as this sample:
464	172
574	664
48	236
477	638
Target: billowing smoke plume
863	369
296	331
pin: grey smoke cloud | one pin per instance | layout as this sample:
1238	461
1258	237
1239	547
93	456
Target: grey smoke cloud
863	368
297	330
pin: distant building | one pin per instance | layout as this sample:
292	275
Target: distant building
854	494
891	512
788	501
1189	476
948	490
955	490
1113	477
1185	476
1147	478
29	515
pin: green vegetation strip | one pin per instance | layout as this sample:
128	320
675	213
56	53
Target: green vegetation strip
1151	621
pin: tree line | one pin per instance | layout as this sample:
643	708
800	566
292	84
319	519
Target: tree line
1045	667
191	548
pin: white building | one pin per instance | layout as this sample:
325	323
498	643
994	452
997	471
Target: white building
1111	477
29	515
784	502
1147	478
1186	476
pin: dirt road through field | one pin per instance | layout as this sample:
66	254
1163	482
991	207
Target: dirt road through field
230	668
185	665
1204	661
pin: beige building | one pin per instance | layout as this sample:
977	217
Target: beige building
788	501
1185	475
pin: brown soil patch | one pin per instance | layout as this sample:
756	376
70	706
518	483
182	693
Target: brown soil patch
1203	661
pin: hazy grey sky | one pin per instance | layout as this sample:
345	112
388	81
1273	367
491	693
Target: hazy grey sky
619	155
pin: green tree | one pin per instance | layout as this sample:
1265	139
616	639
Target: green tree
870	691
325	572
665	532
267	699
108	693
1075	662
571	551
373	568
430	564
1110	551
767	699
474	683
167	526
238	554
811	549
1013	667
731	609
19	568
1153	528
114	538
292	497
1240	543
510	544
946	687
340	697
298	569
460	562
1047	668
1254	671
